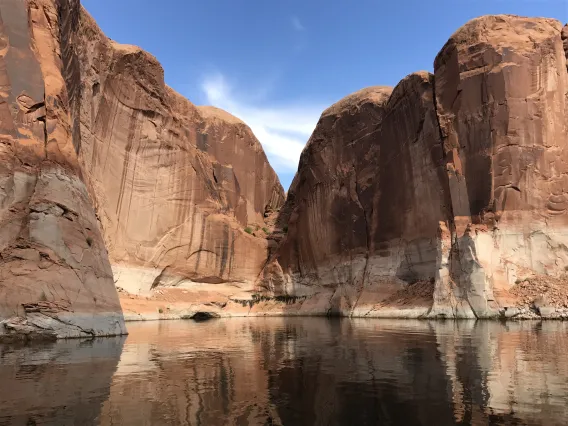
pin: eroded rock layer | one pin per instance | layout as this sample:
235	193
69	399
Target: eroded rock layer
55	277
441	197
445	196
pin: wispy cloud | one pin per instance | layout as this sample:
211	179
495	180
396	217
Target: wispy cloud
297	24
283	130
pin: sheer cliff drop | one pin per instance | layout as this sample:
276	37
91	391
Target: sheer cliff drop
175	185
440	198
55	278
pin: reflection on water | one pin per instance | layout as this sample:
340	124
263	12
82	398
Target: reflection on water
294	371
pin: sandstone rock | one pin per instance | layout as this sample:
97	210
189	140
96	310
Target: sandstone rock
93	140
175	185
459	178
51	249
352	209
511	312
548	312
434	198
501	86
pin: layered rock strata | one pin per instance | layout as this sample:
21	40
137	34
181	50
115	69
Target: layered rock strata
443	196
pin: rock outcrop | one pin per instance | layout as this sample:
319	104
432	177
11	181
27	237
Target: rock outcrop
438	198
445	196
182	192
107	173
55	277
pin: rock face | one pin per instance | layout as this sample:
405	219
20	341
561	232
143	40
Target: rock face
107	172
501	90
55	278
438	198
175	185
446	196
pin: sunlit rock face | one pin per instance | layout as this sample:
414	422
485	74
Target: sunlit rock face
501	86
444	196
175	185
107	172
437	198
55	277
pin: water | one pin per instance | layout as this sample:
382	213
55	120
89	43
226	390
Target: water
294	371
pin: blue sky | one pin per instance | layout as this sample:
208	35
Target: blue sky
277	64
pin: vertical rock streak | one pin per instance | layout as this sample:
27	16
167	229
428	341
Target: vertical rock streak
463	229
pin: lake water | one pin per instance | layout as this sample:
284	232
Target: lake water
294	371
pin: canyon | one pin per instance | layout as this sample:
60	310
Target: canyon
443	197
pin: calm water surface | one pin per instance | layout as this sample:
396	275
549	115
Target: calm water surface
294	371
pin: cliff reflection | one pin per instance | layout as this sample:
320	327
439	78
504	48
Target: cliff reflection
61	383
309	371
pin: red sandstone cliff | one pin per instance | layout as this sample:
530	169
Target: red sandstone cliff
446	197
175	185
107	171
55	277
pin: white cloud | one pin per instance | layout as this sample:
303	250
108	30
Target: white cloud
283	130
297	24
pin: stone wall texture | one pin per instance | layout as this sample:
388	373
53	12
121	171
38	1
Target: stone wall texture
443	197
108	175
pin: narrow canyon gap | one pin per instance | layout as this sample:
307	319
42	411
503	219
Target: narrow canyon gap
445	196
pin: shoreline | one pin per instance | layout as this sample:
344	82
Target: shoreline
202	315
184	303
36	336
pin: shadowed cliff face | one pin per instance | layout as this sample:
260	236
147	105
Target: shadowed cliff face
445	196
438	197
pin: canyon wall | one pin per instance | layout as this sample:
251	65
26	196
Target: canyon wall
175	186
55	277
445	197
109	175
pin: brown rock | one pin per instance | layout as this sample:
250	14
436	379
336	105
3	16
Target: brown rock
430	199
51	249
459	179
501	86
91	140
175	185
353	218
